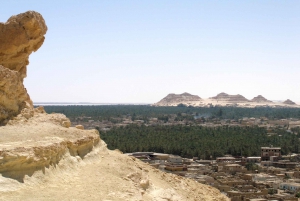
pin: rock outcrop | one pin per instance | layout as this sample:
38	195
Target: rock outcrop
260	99
230	98
289	102
175	99
19	37
27	150
13	95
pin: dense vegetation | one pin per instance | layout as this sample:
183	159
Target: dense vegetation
186	140
104	112
204	142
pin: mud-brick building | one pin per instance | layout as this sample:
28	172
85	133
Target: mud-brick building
267	152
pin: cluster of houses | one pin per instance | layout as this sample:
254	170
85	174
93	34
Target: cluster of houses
270	125
270	176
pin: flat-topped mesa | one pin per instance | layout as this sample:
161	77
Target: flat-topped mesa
20	36
230	98
289	102
260	99
175	99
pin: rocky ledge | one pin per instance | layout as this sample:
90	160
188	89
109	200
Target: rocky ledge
29	145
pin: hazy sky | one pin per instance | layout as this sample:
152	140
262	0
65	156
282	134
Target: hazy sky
139	51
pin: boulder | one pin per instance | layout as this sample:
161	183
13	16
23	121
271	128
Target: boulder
79	127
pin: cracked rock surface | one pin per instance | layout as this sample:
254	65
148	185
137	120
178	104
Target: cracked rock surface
20	36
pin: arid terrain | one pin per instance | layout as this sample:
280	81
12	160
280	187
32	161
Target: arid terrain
43	158
222	99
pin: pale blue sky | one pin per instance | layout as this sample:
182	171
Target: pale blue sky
139	51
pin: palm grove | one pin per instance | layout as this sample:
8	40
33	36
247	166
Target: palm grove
192	139
203	142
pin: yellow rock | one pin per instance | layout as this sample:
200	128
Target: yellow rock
20	36
79	127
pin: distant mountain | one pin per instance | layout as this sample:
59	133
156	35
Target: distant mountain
260	99
289	102
222	99
230	98
175	99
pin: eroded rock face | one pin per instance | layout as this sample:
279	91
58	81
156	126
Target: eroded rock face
20	36
13	95
40	141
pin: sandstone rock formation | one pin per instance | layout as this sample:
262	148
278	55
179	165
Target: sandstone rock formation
175	99
260	99
25	148
289	102
19	37
230	98
13	95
